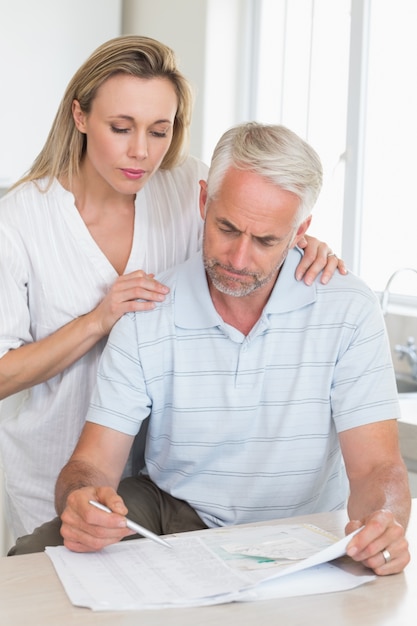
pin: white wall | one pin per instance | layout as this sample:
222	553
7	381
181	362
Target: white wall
42	42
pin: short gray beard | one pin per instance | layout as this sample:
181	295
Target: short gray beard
241	290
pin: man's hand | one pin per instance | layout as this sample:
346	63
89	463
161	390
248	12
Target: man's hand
381	545
87	529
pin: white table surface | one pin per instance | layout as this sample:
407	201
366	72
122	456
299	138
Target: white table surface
31	594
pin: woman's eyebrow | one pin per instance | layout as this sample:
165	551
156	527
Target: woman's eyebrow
129	118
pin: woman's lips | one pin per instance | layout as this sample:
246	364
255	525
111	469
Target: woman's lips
133	174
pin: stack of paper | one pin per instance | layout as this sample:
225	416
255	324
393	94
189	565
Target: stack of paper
212	567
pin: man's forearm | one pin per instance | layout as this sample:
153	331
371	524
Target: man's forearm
385	488
75	475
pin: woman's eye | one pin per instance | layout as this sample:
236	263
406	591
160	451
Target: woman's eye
161	134
116	129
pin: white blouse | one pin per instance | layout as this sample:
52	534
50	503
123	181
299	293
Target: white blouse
52	271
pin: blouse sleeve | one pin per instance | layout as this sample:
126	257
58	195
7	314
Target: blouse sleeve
14	311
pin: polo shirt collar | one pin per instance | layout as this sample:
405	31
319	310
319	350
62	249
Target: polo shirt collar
196	309
290	294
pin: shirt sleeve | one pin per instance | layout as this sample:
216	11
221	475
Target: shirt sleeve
120	400
364	388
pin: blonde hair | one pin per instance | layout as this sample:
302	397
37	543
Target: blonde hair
134	55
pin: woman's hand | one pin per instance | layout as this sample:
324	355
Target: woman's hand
136	291
317	257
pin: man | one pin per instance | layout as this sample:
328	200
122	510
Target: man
261	390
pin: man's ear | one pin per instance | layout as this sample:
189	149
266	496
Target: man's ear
203	198
301	230
79	116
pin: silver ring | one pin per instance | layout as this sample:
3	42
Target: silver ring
387	556
331	254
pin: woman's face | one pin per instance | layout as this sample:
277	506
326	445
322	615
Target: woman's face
128	129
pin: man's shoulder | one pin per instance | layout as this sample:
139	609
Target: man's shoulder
170	276
350	284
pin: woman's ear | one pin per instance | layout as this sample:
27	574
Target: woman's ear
203	198
79	116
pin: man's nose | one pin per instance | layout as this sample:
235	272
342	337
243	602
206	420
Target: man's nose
239	254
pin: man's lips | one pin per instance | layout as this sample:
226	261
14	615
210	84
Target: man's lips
234	275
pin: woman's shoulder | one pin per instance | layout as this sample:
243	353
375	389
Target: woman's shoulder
28	188
15	200
33	196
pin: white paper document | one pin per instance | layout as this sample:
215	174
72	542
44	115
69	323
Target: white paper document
215	566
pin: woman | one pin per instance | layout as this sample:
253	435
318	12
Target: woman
110	201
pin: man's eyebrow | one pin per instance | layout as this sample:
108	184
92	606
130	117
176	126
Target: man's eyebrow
268	238
225	222
264	238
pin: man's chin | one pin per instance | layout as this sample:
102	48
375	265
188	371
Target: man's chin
230	288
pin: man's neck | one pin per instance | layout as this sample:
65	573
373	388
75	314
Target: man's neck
241	312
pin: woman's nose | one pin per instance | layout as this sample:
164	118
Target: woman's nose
138	147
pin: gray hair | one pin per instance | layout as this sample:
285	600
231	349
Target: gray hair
274	152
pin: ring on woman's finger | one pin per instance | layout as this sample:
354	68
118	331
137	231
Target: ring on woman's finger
331	254
387	556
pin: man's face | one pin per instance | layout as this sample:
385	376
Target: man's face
249	228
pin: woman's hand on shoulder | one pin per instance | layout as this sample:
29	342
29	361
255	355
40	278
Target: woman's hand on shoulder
136	291
318	257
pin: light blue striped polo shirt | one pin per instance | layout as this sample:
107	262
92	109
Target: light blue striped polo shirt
245	428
